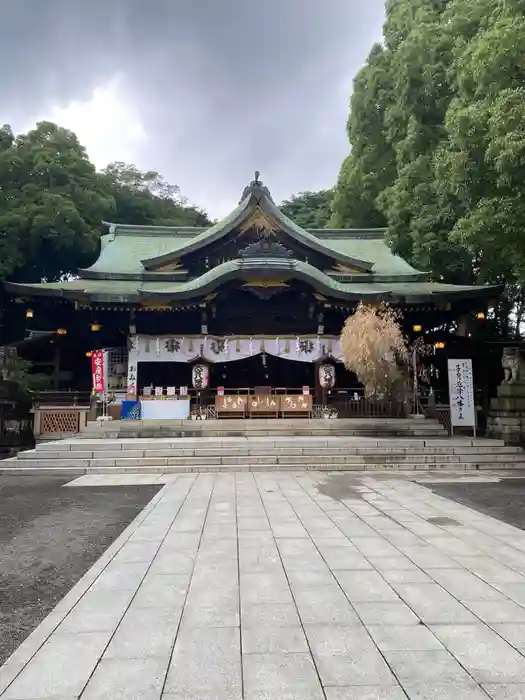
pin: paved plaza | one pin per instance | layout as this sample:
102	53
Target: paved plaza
288	586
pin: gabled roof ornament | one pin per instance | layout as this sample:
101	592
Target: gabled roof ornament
256	188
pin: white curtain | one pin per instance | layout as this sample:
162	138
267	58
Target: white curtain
228	349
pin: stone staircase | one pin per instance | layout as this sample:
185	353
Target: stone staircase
78	456
266	427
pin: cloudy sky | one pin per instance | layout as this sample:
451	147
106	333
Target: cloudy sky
204	91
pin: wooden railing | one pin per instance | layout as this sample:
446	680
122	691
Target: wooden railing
352	403
348	402
62	398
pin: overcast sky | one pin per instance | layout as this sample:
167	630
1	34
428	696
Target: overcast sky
204	91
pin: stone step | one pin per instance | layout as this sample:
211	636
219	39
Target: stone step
267	427
495	460
343	442
229	456
264	451
274	422
75	471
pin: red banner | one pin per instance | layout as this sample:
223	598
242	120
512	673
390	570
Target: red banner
97	370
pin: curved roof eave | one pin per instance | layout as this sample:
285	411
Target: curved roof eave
37	289
291	268
208	236
223	227
309	240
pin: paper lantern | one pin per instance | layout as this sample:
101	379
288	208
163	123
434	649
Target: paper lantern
29	313
327	376
200	376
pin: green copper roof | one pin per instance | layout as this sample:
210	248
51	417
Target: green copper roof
133	250
124	250
256	195
360	263
135	291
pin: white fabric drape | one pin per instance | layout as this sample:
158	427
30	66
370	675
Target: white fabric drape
228	349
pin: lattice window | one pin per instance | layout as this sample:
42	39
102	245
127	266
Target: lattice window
64	422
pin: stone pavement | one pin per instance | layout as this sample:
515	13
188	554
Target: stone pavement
289	586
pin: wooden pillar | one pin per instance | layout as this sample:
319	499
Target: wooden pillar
463	326
56	367
319	393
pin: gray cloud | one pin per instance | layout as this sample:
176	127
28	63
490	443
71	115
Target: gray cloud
224	86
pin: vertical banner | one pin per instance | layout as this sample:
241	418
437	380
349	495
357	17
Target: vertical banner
132	384
461	392
99	370
132	378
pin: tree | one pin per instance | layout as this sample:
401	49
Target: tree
441	103
482	164
370	167
375	349
146	198
19	371
309	209
51	203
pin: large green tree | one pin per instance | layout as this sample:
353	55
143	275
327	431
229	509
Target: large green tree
479	168
309	209
370	167
53	202
438	143
146	198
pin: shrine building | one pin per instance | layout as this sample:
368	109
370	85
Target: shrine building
255	299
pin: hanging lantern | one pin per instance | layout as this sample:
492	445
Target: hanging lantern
200	376
327	376
439	345
480	315
61	331
95	327
417	328
29	313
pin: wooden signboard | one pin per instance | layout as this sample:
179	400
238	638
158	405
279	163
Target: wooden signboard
231	404
264	404
296	404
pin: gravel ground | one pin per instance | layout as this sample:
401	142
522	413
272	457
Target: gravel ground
49	537
504	500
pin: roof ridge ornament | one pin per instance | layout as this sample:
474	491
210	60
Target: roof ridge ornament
256	188
265	249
